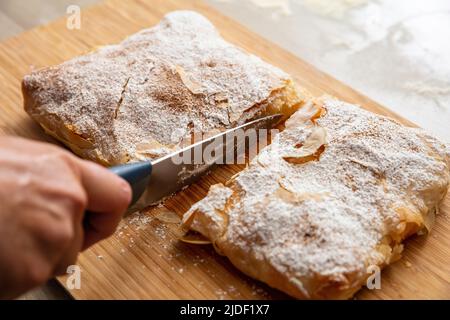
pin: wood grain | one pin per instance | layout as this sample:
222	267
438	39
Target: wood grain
145	259
30	13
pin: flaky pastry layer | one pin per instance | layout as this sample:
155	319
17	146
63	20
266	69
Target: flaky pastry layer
332	197
142	98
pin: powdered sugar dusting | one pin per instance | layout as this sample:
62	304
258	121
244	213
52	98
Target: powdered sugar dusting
153	89
326	217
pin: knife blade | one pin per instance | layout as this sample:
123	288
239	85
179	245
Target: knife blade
160	178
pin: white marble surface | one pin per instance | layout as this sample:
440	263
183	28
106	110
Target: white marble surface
397	52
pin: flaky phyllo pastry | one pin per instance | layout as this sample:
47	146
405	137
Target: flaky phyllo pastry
148	95
334	194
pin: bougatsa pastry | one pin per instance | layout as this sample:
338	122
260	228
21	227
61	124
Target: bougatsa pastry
333	195
148	95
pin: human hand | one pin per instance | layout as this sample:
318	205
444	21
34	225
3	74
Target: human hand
44	192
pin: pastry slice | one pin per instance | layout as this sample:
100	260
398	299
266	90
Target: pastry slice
155	91
330	200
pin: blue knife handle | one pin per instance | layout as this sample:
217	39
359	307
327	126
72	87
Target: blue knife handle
137	174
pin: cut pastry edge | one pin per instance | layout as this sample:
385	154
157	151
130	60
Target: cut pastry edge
201	220
211	221
195	238
284	100
345	285
255	87
309	150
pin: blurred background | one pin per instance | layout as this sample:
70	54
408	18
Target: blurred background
397	52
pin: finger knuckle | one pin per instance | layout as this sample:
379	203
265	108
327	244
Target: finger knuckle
62	156
78	200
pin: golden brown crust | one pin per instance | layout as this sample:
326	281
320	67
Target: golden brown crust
145	96
314	227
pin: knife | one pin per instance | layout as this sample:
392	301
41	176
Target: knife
151	181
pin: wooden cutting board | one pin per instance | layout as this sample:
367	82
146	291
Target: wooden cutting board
145	259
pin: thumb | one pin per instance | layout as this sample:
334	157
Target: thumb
108	198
